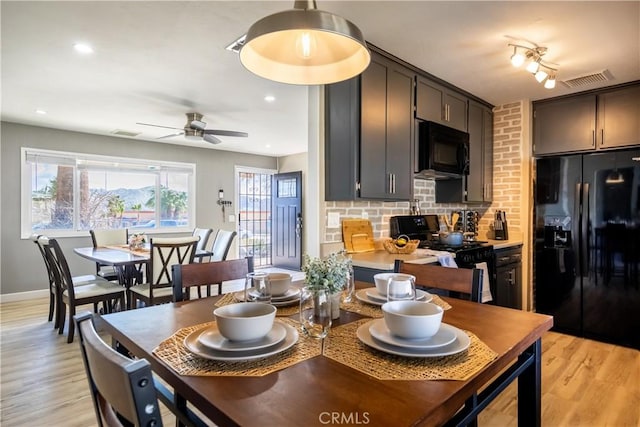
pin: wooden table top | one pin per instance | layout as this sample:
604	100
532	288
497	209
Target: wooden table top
303	393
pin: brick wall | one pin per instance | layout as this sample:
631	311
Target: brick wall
507	177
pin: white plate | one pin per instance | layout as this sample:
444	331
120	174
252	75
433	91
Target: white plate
461	343
192	344
286	303
362	295
445	335
292	293
212	338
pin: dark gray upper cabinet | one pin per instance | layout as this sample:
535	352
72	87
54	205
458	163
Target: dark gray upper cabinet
564	125
369	132
602	119
480	178
619	118
440	104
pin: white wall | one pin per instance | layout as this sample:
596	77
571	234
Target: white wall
21	266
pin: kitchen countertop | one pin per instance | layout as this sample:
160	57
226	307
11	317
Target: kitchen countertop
383	260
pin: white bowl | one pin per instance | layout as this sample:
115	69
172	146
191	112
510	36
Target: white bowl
382	279
245	321
412	319
280	283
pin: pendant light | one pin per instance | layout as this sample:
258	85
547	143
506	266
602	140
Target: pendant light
305	46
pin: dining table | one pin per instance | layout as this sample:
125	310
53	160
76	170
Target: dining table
130	264
338	379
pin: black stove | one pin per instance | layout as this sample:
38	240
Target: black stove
467	255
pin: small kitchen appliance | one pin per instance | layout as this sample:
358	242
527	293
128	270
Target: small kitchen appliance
500	226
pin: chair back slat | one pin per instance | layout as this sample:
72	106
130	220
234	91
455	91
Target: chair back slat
207	273
100	238
460	280
117	383
166	252
222	244
59	265
203	234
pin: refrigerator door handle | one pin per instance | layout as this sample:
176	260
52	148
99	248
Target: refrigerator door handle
584	231
576	228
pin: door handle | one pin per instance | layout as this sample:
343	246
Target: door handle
299	225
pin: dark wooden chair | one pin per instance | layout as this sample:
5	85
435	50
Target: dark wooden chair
122	390
111	237
69	294
457	281
186	276
51	278
165	252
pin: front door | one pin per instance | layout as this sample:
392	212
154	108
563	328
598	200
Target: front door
286	220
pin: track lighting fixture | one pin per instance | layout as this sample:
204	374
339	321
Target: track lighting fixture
532	56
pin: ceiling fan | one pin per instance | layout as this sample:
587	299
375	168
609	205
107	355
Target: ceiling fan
195	129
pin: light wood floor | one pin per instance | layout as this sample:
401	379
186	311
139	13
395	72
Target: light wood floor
585	383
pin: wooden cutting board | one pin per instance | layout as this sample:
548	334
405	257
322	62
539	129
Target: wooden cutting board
357	235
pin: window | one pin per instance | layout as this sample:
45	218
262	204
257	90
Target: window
66	194
254	214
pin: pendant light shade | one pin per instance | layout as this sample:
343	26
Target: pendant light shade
305	46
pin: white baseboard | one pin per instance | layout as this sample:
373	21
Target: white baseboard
23	296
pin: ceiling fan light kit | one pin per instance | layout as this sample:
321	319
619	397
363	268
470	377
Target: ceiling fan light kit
305	46
532	56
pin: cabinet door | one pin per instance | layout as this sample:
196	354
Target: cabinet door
400	127
479	180
429	101
455	109
564	125
439	104
375	182
342	139
619	118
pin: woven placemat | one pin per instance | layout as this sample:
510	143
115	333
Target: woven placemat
344	347
370	310
173	352
230	298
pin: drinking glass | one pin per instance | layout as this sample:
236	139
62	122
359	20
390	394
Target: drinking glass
349	287
315	311
401	287
257	288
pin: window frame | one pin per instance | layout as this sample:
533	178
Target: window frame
26	227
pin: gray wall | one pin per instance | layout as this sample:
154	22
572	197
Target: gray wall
21	266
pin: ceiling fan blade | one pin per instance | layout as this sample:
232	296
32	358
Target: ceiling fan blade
225	132
157	126
210	138
171	135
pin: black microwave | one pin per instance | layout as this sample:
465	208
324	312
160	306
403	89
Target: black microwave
443	152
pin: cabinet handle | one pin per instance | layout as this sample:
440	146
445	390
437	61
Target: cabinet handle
593	138
446	109
602	136
511	281
390	183
393	183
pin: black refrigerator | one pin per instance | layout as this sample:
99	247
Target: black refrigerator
587	244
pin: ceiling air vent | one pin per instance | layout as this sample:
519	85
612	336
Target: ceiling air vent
237	44
588	79
126	133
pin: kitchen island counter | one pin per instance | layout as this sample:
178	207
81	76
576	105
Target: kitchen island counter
383	260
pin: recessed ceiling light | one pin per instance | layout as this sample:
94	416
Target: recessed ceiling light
83	48
270	98
40	111
267	146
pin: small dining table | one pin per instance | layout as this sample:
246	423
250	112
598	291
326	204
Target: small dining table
128	263
319	390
